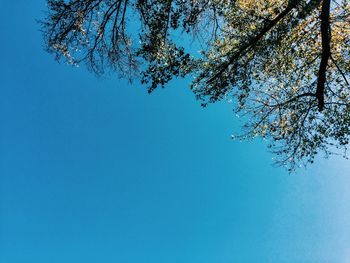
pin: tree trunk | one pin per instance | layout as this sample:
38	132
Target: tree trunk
326	53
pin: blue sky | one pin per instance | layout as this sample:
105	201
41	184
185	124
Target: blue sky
96	170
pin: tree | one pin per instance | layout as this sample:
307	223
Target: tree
285	64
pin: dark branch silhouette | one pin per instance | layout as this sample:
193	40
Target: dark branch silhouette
326	52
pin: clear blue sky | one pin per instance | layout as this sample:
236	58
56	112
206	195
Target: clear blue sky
96	170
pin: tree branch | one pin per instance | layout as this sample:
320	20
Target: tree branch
256	39
340	71
326	53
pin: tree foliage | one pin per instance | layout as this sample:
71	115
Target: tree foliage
284	63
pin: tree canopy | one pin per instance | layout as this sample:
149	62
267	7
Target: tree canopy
284	63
